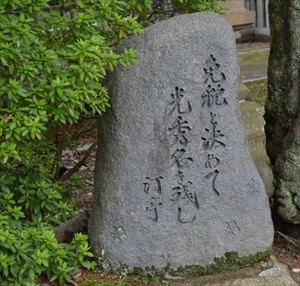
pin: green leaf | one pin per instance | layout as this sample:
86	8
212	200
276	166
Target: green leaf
4	61
14	270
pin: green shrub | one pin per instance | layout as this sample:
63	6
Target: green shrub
27	242
52	63
54	56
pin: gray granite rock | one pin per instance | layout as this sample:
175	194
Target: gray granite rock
266	174
175	182
277	275
243	91
254	123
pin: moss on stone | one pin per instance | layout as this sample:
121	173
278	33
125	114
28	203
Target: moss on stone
231	261
137	276
257	91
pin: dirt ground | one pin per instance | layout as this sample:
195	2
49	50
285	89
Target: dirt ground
287	251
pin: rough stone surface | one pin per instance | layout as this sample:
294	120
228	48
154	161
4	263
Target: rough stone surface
266	174
175	183
252	116
277	275
243	91
254	67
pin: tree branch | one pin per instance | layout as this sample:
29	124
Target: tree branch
87	126
82	162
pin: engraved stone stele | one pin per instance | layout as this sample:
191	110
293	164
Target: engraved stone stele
175	183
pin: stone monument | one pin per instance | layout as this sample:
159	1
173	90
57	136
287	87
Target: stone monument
175	183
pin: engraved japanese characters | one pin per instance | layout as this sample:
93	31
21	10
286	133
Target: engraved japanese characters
175	183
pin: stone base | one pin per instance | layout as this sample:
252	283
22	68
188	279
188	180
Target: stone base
249	276
240	19
237	16
266	174
243	91
252	115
